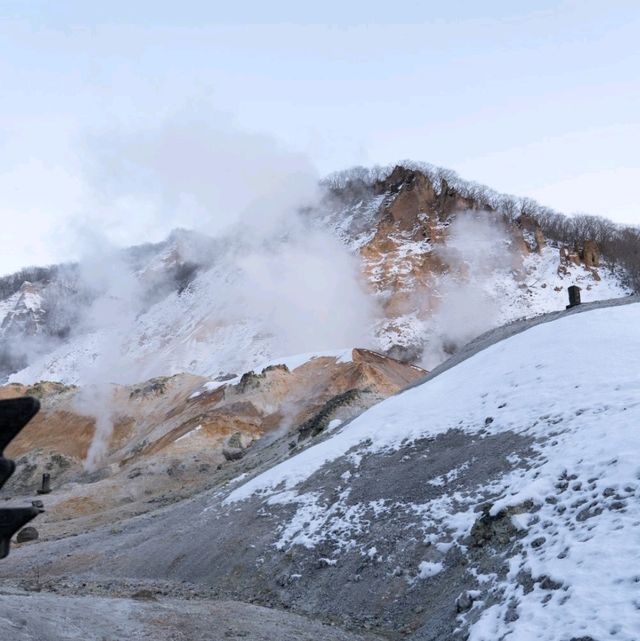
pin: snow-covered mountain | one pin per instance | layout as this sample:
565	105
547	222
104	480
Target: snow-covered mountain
450	259
225	439
496	500
405	261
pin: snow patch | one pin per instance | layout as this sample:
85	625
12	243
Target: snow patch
190	433
427	569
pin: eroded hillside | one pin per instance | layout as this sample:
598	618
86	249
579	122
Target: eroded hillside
173	437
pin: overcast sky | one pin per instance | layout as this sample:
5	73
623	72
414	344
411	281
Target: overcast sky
539	99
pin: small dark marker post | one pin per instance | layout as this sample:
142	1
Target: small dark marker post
46	484
574	296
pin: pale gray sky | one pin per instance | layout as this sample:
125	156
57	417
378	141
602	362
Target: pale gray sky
540	99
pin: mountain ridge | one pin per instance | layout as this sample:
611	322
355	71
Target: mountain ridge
400	226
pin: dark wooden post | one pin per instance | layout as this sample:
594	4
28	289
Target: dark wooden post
574	296
46	484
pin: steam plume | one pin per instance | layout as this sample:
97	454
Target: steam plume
268	269
479	254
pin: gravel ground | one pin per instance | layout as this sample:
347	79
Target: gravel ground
29	616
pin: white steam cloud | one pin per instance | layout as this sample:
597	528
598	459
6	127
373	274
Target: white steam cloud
272	283
480	255
307	291
195	170
108	321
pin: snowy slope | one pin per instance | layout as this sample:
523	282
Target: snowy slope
8	305
198	331
546	290
573	388
23	311
201	330
399	267
469	305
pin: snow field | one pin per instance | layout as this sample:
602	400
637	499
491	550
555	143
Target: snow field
573	385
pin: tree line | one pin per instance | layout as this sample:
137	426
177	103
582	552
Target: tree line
618	244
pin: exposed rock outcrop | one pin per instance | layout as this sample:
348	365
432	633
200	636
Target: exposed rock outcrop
590	254
171	432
